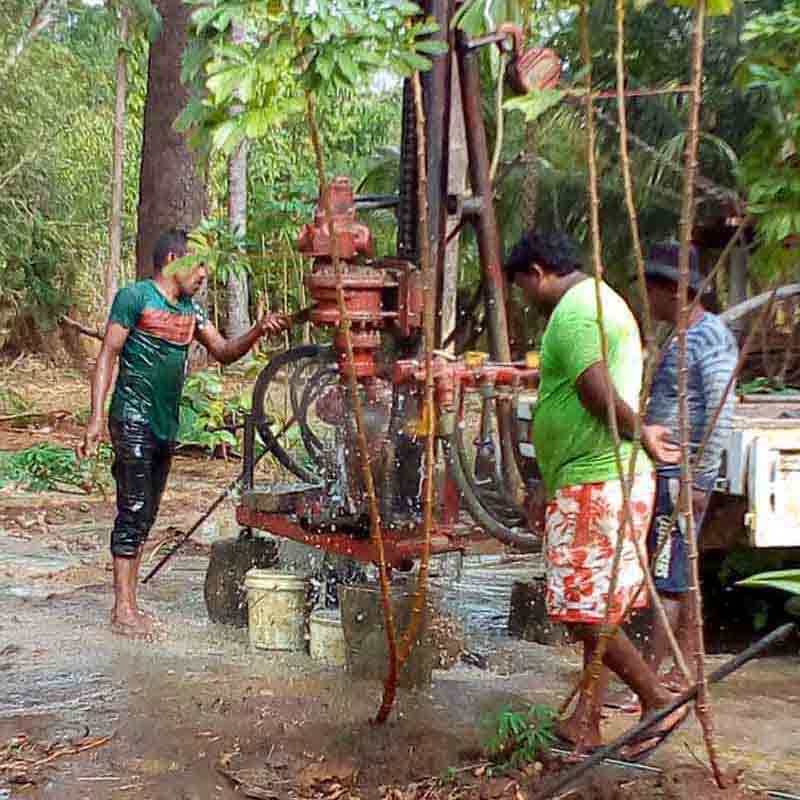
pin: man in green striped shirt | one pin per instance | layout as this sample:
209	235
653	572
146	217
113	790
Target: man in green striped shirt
149	330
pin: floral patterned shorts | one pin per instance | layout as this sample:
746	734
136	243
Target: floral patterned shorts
581	530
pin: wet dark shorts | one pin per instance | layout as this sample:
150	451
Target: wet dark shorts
666	543
141	466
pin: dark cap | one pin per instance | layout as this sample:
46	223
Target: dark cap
661	264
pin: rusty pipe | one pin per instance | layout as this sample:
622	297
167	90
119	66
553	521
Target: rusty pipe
489	245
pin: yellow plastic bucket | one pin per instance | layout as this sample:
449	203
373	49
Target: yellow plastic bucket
275	609
326	638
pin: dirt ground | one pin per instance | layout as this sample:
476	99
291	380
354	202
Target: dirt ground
200	715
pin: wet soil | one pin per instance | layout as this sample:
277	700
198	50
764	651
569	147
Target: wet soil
198	714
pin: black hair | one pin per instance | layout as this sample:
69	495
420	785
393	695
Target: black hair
555	253
175	241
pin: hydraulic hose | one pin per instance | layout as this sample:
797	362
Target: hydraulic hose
312	351
320	380
514	537
390	455
495	496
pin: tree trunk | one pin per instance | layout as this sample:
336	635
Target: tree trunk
456	184
237	295
172	192
43	15
737	283
115	222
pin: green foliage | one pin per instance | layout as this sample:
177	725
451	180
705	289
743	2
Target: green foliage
714	8
249	90
11	402
788	580
47	467
765	386
743	567
769	167
56	108
205	412
146	14
518	737
739	564
214	245
535	103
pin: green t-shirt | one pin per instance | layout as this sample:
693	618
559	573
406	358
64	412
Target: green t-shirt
572	445
152	364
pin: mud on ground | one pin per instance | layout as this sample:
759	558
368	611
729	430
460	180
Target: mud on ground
199	715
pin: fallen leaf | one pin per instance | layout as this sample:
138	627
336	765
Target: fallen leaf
338	772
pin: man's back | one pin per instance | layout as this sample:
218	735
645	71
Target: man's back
572	445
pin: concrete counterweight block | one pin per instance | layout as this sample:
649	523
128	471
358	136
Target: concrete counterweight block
365	636
527	617
224	592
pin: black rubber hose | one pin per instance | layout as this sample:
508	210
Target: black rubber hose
320	380
495	493
295	379
388	487
526	543
259	396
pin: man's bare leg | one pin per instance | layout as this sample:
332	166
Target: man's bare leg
658	649
583	725
146	614
679	614
623	659
126	618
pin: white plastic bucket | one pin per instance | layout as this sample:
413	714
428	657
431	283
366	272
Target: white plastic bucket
275	609
326	643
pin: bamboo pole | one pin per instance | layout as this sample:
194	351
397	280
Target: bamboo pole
376	531
702	704
633	220
429	332
592	672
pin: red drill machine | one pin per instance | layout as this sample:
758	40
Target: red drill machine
301	407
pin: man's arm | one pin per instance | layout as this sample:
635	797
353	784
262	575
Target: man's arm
593	390
226	351
113	342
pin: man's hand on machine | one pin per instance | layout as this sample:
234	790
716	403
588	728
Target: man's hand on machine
271	324
656	441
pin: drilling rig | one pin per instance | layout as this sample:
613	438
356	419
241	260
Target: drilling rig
482	483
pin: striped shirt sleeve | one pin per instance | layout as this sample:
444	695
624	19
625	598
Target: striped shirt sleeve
716	367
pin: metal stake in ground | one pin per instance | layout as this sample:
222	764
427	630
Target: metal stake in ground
777	636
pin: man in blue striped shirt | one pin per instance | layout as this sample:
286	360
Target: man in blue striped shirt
711	356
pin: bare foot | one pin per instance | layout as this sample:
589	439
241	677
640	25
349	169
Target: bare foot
625	701
571	732
674	681
148	615
650	740
132	624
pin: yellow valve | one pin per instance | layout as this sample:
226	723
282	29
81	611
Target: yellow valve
423	426
532	360
474	359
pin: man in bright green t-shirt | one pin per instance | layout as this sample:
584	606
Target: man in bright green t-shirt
150	327
578	393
